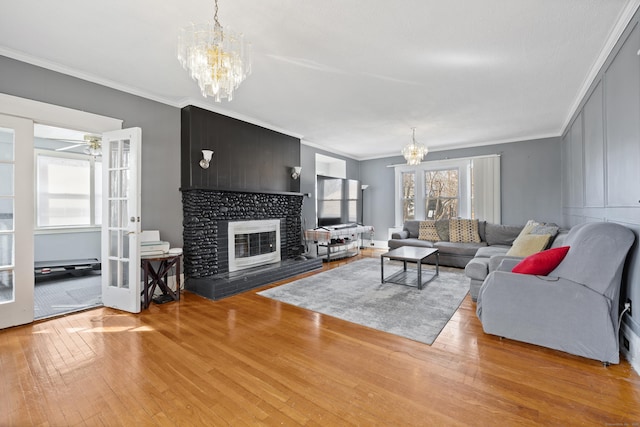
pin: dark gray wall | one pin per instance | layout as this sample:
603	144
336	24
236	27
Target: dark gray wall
246	157
530	180
601	155
161	203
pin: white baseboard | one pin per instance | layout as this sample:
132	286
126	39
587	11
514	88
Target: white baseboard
378	244
633	354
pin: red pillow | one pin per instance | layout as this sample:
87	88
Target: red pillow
541	263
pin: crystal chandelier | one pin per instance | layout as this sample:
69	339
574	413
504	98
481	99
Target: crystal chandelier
414	152
218	59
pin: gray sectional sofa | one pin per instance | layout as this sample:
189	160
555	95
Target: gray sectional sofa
495	239
478	259
574	308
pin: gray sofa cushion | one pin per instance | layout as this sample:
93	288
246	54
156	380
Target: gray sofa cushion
413	227
464	249
482	230
503	261
396	243
489	251
498	234
400	234
559	239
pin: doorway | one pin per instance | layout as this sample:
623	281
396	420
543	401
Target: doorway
18	116
68	215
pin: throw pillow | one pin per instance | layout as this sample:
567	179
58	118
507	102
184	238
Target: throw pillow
528	244
442	225
541	263
545	229
428	231
530	225
464	231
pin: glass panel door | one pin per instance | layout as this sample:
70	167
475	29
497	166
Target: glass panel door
16	221
120	230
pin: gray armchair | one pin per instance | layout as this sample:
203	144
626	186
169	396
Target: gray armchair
575	308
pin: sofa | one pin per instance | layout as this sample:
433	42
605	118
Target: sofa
575	307
488	259
477	258
493	239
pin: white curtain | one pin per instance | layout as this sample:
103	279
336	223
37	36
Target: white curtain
486	188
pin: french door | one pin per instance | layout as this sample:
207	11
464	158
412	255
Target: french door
16	221
121	219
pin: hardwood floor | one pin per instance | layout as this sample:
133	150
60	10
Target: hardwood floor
248	360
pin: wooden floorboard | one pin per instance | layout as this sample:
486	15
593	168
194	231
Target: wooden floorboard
248	360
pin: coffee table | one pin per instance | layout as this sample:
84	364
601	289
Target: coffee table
409	254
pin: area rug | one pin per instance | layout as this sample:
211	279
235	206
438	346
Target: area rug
355	293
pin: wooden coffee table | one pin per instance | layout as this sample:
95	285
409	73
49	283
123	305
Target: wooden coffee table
409	254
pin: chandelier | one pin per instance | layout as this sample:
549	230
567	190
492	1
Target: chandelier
414	152
216	58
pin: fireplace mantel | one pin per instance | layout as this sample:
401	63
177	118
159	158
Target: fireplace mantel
231	190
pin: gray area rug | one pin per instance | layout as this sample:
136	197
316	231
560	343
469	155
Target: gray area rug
354	293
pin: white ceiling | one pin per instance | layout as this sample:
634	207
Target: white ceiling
351	76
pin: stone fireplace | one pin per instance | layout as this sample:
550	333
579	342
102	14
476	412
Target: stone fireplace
211	217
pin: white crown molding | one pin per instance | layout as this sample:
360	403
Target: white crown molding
328	150
625	18
54	66
458	146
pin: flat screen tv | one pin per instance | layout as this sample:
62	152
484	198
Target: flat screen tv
337	201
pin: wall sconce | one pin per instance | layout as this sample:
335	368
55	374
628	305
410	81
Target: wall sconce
206	159
295	172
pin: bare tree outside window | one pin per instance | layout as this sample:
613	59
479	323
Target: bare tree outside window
441	194
408	196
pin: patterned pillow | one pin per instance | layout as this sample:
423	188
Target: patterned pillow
545	229
464	231
428	231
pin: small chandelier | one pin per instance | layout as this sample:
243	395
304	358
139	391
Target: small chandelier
217	59
414	152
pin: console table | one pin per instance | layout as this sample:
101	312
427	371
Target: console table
339	241
159	276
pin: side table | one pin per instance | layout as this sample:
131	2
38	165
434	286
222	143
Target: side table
159	276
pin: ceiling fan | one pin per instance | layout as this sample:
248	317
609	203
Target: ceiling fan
93	144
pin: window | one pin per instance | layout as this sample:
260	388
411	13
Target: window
68	190
441	194
459	188
408	195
